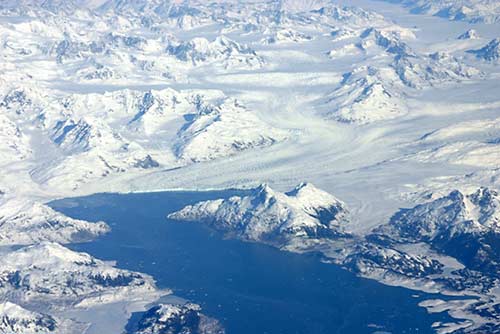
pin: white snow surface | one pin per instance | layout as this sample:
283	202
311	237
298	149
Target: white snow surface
474	11
380	106
18	320
184	317
456	214
25	222
266	215
51	271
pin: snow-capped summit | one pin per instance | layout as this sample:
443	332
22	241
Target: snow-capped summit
273	217
287	36
301	5
76	136
489	52
180	14
24	222
452	215
14	143
177	318
17	99
389	40
464	226
469	34
366	95
355	16
432	69
52	6
50	270
15	319
473	11
223	50
222	127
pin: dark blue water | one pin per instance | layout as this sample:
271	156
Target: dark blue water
251	288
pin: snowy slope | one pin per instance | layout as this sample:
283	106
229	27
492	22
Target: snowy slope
384	108
301	6
16	320
474	11
96	135
453	222
24	222
222	129
272	217
366	95
378	92
51	273
222	51
468	143
287	36
489	52
451	216
171	318
469	34
14	144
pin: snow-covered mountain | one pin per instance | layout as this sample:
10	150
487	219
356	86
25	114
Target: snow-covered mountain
120	95
272	217
15	319
24	222
365	95
301	5
371	259
222	51
453	215
287	36
469	34
52	6
378	92
185	15
51	273
302	219
432	70
473	11
96	135
489	52
222	129
176	319
14	144
466	143
463	226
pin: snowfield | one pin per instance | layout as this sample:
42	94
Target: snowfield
382	105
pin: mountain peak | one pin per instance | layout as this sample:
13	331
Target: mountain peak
295	6
489	52
273	217
15	319
186	318
469	34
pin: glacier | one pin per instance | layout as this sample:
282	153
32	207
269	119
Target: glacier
390	108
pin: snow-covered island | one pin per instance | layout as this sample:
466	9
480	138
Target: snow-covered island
302	214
